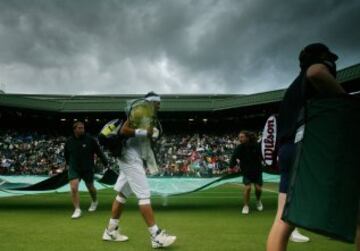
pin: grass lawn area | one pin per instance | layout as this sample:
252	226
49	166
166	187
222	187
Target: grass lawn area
208	220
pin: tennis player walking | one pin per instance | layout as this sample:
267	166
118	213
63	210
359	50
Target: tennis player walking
132	178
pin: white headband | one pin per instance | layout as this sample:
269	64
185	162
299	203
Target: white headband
153	98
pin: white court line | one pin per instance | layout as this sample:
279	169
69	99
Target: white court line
212	197
241	185
197	198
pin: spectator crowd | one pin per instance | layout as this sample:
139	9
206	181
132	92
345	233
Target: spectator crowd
198	155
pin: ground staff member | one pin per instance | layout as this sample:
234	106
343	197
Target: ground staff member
79	156
248	153
316	79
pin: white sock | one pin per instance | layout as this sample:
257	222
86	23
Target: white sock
113	224
153	230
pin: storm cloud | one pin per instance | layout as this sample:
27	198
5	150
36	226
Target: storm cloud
167	46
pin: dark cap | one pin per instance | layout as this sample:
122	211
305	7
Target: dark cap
318	49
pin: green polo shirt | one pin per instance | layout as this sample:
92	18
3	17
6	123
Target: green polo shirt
79	155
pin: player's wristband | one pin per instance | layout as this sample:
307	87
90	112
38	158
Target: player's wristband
140	133
156	133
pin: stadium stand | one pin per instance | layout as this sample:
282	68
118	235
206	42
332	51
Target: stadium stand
33	127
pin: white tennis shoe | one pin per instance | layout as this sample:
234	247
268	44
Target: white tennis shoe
76	214
297	237
114	235
259	205
245	210
162	239
93	206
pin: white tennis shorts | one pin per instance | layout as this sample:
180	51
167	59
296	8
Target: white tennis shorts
132	179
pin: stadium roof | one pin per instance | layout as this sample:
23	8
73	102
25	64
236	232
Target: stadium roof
170	103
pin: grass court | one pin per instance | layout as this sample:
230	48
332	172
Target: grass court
207	220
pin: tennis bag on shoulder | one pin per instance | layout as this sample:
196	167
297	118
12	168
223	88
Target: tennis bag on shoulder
324	189
110	138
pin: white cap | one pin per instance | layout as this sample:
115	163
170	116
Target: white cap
152	96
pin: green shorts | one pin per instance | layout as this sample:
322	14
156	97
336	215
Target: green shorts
86	175
253	179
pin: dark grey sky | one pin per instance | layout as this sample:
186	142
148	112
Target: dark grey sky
168	46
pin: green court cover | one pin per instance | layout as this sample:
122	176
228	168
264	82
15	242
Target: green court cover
325	183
